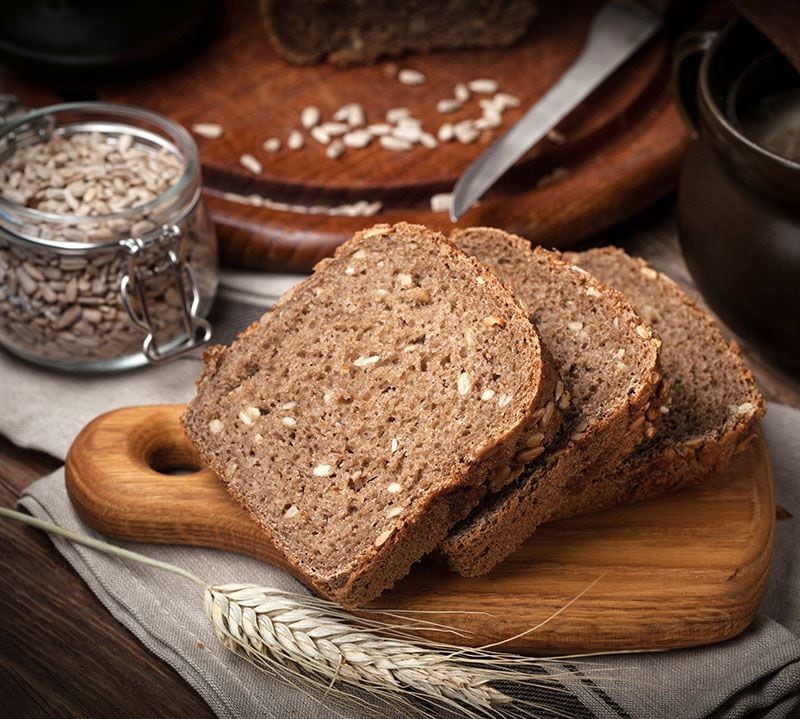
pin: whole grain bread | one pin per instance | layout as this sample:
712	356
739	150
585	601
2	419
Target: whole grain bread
608	361
714	401
374	406
345	33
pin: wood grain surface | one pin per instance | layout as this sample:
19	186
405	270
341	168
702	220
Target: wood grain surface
621	150
659	584
62	613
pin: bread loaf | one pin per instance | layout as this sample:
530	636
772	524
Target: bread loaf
374	406
345	33
714	401
608	360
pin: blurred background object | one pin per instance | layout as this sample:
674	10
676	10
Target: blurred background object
77	42
738	210
779	20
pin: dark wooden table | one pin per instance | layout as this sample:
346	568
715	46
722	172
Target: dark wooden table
62	654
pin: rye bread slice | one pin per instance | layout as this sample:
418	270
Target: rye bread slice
374	406
714	401
608	361
345	33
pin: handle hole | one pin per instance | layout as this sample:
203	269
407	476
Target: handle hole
174	460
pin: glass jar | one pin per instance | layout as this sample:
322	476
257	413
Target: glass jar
127	274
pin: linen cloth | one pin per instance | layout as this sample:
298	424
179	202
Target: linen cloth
755	674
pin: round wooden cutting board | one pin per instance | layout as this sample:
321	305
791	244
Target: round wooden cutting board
620	150
682	570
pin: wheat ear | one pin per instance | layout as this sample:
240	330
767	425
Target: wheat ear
312	643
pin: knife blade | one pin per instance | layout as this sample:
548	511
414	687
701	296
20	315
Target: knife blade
617	31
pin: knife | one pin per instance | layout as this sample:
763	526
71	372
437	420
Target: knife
618	30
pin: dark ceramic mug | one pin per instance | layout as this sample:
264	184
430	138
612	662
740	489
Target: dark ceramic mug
738	201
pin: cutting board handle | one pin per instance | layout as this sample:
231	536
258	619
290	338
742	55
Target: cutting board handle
133	475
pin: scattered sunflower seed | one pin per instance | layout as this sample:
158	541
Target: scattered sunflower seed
334	129
483	86
466	132
310	117
357	139
428	140
335	150
389	142
504	101
379	129
273	144
320	135
209	130
295	141
445	133
406	76
397	113
251	164
410	133
442	202
447	106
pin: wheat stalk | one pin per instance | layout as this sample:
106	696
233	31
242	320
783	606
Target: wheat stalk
312	643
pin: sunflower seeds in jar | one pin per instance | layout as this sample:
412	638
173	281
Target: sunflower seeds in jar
107	254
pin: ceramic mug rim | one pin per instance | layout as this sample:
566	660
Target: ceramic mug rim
710	109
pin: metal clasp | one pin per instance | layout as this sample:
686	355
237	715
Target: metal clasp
9	106
197	331
38	129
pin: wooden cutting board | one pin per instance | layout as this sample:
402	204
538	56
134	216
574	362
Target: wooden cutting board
683	570
622	148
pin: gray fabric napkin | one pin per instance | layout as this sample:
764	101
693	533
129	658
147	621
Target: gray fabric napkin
755	674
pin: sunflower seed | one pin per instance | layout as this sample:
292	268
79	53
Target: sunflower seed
410	133
406	76
397	113
447	106
209	130
490	119
446	133
357	139
380	129
504	101
466	132
251	164
428	140
335	150
272	145
483	86
310	117
389	142
352	113
334	129
320	135
442	202
295	141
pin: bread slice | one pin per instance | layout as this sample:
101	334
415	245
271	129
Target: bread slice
309	31
374	406
714	401
608	360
